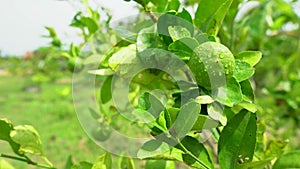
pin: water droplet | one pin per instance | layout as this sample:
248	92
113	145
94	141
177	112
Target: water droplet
221	56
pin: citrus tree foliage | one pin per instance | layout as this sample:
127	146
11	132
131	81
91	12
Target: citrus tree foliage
221	53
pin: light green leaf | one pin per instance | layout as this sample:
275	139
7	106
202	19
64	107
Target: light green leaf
82	165
52	32
125	162
161	164
289	160
101	72
237	140
173	5
28	139
123	56
178	32
205	99
243	70
251	57
248	106
198	150
103	162
5	165
210	14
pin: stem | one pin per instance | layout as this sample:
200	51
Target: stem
27	160
192	155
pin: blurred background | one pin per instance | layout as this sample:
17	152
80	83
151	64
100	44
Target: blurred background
38	38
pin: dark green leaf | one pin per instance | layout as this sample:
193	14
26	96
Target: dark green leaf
289	160
198	150
151	104
237	140
5	129
247	90
243	70
204	122
106	88
186	119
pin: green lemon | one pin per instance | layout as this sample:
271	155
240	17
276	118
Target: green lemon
212	64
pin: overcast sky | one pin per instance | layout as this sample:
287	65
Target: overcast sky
22	21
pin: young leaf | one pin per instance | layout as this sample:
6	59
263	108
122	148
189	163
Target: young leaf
198	150
106	88
289	160
237	140
251	57
210	14
243	70
103	162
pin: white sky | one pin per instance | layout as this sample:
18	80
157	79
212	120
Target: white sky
22	21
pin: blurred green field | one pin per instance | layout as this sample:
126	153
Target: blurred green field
49	108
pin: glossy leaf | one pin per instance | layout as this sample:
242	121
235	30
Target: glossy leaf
205	99
198	150
251	57
289	160
210	14
237	140
243	70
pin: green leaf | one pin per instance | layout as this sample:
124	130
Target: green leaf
173	5
151	104
5	129
148	38
204	122
205	99
161	164
103	162
52	32
160	5
251	57
123	56
106	89
5	165
243	70
178	32
82	165
69	163
237	140
185	46
230	95
198	150
126	163
186	119
247	90
248	106
153	148
101	72
289	160
126	34
28	139
210	14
